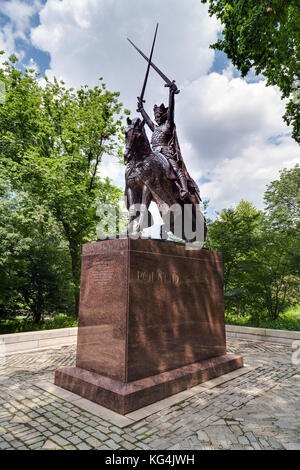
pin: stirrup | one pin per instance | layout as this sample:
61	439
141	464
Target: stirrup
183	193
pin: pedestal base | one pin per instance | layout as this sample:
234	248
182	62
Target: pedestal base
127	397
151	323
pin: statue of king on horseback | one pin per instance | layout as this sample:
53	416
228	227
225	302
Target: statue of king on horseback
157	172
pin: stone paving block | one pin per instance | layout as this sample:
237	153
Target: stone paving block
79	424
82	434
129	437
141	445
59	440
89	429
15	444
243	440
99	435
257	410
74	439
142	430
264	443
83	446
37	445
54	429
115	437
50	445
65	434
112	444
127	445
275	444
202	436
93	442
292	446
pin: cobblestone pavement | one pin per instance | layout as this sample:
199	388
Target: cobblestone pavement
258	410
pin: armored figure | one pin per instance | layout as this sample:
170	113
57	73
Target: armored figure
164	137
157	172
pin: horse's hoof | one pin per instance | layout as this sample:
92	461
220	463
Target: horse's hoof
135	235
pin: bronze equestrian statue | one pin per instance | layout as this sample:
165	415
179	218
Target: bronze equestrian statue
149	178
159	173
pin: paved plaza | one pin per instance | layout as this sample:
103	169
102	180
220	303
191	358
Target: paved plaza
257	410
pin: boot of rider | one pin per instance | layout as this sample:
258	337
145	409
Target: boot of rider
183	183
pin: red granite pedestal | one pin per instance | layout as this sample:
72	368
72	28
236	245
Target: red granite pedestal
151	323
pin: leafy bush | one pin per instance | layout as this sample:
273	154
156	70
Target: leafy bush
285	321
22	324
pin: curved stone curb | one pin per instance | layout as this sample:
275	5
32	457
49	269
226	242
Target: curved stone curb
46	339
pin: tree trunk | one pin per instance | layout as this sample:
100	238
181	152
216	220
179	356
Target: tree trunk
37	316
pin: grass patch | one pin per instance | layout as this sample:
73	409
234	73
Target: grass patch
285	321
21	324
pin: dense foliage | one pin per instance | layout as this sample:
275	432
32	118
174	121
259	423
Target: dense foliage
264	35
261	250
52	140
35	266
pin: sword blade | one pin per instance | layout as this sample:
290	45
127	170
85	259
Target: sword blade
149	65
160	73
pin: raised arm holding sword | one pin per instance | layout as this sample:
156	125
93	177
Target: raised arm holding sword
164	137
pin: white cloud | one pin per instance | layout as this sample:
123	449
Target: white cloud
110	168
246	176
87	39
228	127
234	137
221	116
19	14
7	42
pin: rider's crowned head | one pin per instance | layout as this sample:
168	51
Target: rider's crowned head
160	114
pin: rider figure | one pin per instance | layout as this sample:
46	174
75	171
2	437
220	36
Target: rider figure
163	134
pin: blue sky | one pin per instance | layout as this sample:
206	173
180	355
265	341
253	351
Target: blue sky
42	58
231	131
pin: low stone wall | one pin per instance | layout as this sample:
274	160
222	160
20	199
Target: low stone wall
262	334
38	340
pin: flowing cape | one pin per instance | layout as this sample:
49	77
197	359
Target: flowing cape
178	155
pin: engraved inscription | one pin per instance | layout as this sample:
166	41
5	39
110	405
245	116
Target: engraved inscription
159	277
104	247
102	271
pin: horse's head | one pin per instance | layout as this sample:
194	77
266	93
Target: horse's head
135	138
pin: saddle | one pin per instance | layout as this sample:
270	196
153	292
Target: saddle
192	185
165	162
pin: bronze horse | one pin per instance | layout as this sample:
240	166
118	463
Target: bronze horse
149	177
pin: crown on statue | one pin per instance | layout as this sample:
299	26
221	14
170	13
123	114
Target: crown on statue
160	109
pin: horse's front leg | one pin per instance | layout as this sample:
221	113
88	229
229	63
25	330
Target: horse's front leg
146	199
131	207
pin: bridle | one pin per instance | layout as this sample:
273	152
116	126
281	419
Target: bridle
133	143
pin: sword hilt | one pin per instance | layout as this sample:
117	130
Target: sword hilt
170	84
140	101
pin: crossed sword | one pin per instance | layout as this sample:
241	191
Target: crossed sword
167	81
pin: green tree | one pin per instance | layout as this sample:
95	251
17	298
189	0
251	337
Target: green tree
261	277
235	233
271	275
35	266
282	199
264	35
53	140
